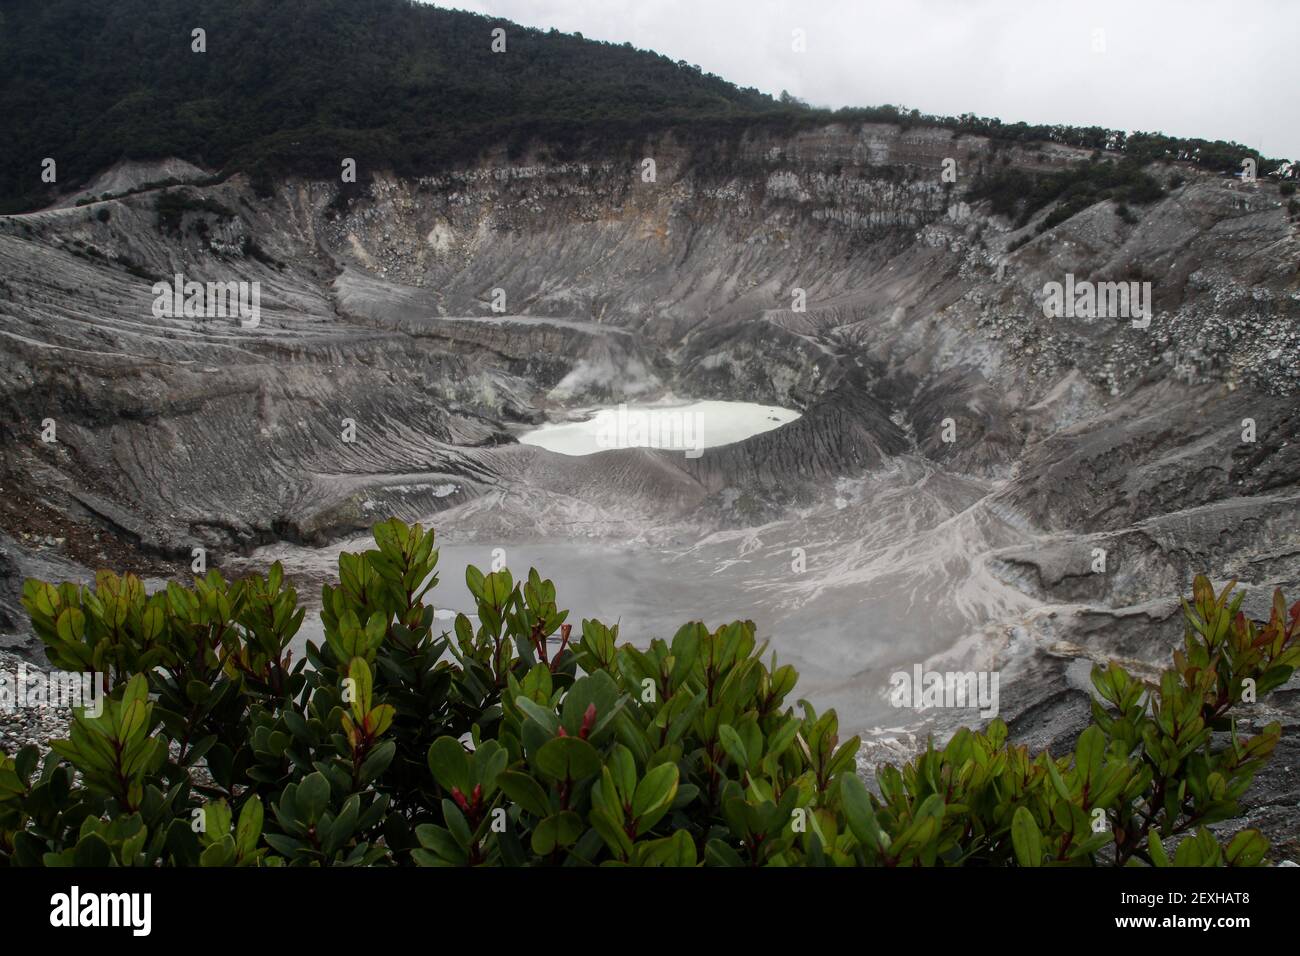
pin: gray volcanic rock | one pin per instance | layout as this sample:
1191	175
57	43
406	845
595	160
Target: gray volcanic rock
409	334
132	175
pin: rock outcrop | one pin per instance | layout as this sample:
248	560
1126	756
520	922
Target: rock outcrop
952	434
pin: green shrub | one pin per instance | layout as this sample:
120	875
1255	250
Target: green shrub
217	748
172	205
1019	195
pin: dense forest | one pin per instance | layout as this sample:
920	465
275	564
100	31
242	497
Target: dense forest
294	85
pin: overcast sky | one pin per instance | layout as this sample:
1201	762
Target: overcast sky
1221	70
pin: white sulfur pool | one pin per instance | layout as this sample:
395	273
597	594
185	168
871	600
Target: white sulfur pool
689	428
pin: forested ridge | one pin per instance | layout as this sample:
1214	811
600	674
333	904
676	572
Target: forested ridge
301	83
295	85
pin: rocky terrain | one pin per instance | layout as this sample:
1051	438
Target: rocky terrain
442	315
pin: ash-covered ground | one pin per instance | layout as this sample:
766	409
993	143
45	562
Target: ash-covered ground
959	461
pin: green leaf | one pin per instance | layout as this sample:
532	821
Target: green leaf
734	746
1088	753
457	824
860	813
1026	839
525	791
312	798
362	687
1157	849
684	849
440	842
559	830
612	833
1058	784
474	581
622	768
717	853
220	853
377	761
567	758
598	690
546	718
249	830
92	851
1247	848
654	795
216	819
449	764
71	625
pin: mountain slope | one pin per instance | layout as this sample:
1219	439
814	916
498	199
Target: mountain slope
295	86
303	83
